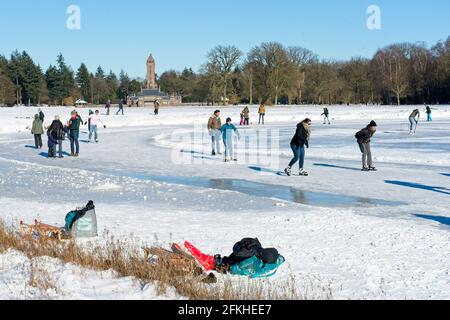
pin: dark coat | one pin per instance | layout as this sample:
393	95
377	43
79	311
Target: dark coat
57	130
74	125
52	141
364	135
300	138
41	116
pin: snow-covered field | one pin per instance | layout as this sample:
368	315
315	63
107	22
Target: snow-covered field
377	235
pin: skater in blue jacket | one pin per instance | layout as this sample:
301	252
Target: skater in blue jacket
227	137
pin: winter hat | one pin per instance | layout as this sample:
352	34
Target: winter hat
228	120
269	255
373	124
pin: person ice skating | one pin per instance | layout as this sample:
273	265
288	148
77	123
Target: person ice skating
262	113
326	114
108	107
41	116
429	114
363	137
214	126
89	120
241	123
246	114
57	133
227	137
74	133
120	107
414	120
156	104
37	130
94	119
298	143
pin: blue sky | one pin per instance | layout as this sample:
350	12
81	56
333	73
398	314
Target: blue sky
121	34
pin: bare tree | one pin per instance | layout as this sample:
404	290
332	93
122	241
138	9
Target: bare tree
272	62
221	62
300	58
392	63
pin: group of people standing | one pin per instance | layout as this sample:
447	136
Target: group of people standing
245	115
57	132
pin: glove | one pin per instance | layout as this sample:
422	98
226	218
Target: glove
307	145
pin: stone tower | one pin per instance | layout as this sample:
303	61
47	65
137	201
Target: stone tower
151	81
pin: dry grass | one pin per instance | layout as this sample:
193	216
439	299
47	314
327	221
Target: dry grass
40	277
128	261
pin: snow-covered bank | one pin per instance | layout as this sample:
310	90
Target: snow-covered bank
48	278
370	251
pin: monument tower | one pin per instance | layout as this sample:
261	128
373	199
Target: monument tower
151	81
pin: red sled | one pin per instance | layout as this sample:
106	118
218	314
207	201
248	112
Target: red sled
206	261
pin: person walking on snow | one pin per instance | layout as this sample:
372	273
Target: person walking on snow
37	130
428	112
412	120
120	107
326	114
363	137
74	133
214	126
227	137
89	120
94	119
108	107
246	114
298	143
41	116
156	104
262	113
57	133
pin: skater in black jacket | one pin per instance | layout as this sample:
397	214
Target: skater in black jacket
298	143
363	137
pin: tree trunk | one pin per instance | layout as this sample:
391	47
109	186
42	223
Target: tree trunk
251	90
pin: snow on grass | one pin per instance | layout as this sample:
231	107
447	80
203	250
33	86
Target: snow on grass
359	252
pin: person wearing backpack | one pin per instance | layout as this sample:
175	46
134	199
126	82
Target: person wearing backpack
57	134
37	130
363	137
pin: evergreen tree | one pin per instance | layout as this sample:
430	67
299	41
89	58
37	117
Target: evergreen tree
83	80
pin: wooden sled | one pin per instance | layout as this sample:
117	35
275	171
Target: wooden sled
41	231
178	262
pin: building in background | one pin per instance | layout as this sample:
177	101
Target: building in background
152	92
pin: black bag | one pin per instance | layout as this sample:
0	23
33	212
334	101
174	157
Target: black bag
247	248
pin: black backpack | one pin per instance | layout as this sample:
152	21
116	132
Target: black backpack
247	248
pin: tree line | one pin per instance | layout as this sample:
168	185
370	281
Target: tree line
23	82
402	73
270	73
